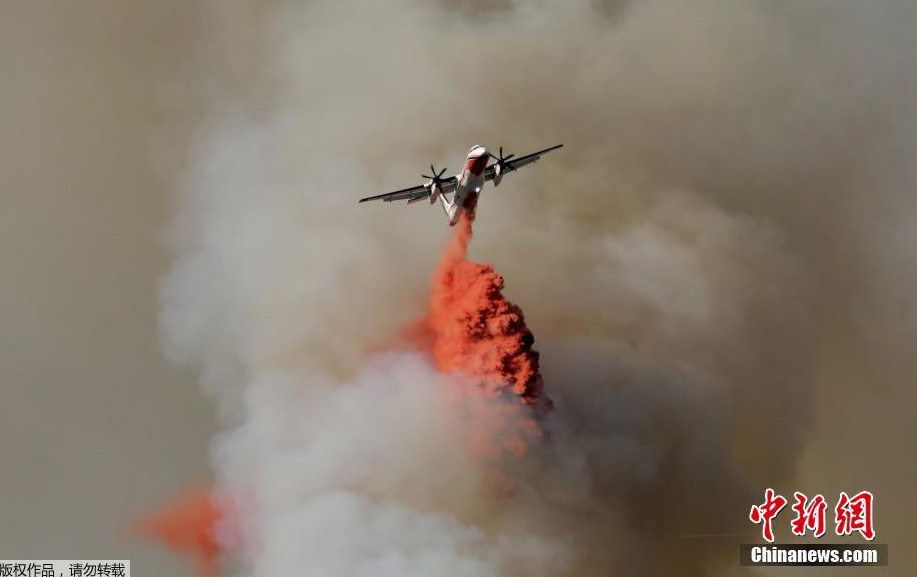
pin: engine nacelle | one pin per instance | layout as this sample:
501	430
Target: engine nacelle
498	174
435	192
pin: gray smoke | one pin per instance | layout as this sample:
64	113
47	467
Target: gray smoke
729	223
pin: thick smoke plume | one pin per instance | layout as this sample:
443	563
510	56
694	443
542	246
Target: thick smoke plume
470	330
727	229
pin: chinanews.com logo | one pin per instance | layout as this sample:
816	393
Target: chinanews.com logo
852	517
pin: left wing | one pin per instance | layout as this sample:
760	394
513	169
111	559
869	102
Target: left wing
516	163
414	193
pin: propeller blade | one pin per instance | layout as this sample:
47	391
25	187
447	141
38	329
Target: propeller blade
500	158
437	176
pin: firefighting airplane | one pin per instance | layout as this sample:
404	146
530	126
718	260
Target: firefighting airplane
463	187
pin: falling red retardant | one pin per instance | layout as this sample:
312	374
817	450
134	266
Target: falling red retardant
472	329
187	526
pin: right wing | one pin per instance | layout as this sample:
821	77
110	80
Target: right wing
517	163
414	193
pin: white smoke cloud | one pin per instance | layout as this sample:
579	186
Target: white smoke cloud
678	262
370	477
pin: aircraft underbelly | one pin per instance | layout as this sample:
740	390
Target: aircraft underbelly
469	183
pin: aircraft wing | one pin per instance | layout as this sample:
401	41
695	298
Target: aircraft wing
516	163
414	193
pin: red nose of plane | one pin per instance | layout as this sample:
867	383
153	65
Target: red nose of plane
477	159
478	150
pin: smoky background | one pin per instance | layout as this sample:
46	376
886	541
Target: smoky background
718	268
96	426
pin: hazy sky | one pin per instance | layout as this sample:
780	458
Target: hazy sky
95	425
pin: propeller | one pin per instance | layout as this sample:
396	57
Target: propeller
501	160
437	176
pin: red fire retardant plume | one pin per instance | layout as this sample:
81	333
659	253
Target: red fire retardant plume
187	526
471	328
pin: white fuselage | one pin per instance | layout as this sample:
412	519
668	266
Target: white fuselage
470	183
